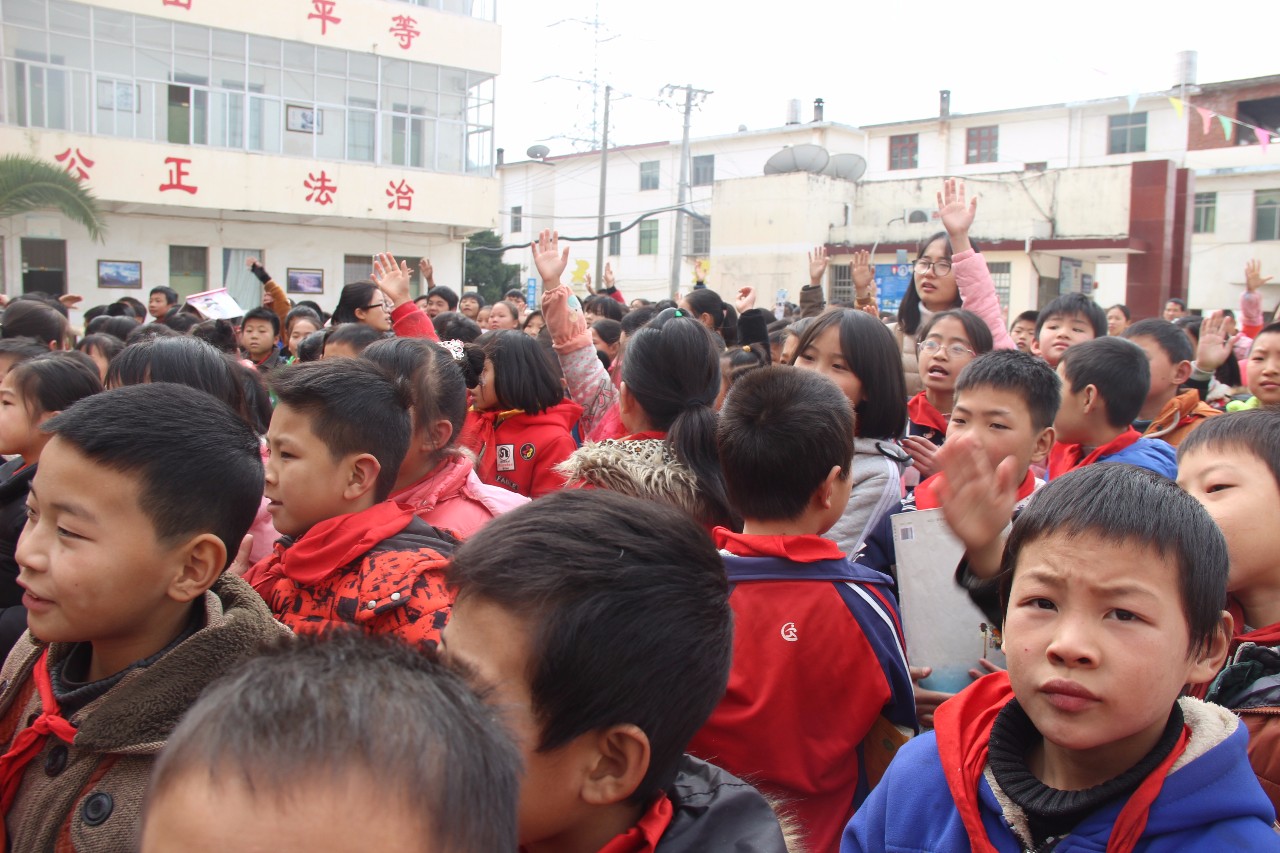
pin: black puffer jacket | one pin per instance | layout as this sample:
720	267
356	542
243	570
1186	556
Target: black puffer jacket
714	810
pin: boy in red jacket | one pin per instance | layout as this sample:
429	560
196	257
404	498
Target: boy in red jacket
347	556
818	648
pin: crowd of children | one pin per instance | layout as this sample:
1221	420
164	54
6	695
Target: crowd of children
587	576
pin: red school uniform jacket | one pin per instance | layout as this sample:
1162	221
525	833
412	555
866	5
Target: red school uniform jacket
817	659
519	451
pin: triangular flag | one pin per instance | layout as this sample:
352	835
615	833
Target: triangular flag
1226	127
1133	101
1264	138
1207	117
1177	106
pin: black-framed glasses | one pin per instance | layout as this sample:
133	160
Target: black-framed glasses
955	350
383	305
938	267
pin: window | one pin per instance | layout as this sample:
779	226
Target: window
699	236
649	175
981	144
704	170
841	283
188	269
517	219
615	240
1205	213
904	151
1128	133
1266	215
1002	276
649	237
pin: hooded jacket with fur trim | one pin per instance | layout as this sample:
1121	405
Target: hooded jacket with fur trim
643	468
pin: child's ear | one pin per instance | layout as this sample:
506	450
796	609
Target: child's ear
619	763
1181	373
203	558
825	493
437	435
1043	444
362	476
1206	663
45	416
1090	398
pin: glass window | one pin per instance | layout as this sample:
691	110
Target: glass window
1127	133
29	12
188	269
228	45
264	51
841	283
299	57
649	237
191	39
649	175
699	237
329	61
981	144
1002	277
1206	210
360	135
72	18
114	26
704	171
517	219
904	151
615	240
1266	212
69	50
150	32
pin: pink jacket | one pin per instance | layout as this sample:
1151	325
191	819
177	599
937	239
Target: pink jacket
978	294
452	498
590	385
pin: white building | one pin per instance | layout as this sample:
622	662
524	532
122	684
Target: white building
311	134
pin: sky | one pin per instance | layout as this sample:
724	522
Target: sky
870	62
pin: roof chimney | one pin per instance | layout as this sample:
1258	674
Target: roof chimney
944	104
501	152
817	109
793	111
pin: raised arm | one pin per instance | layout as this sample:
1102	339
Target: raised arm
973	278
812	298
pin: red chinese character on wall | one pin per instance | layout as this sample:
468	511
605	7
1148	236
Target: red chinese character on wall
322	190
401	195
403	30
178	171
181	4
324	14
77	163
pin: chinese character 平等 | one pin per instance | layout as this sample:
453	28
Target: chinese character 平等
403	30
324	14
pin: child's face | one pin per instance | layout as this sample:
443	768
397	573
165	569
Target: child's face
1059	332
534	326
304	483
825	356
89	558
469	306
1023	332
485	395
1000	422
936	291
322	815
1237	489
436	305
19	430
158	305
1165	377
939	367
257	337
1072	424
490	645
1264	369
301	328
1097	644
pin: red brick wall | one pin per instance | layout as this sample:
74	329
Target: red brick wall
1222	101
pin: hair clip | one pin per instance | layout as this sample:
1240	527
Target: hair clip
747	348
679	313
455	349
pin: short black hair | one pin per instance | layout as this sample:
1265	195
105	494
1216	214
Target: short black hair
1118	368
975	328
302	312
180	321
355	335
28	318
139	310
637	318
1269	329
514	293
1256	432
473	294
452	326
1025	317
354	406
628	613
1181	303
1126	504
873	356
448	294
198	465
149	332
1074	305
21	349
606	306
53	381
787	428
182	360
220	334
608	330
261	313
522	375
311	348
302	710
106	346
1172	341
1029	378
1123	309
170	295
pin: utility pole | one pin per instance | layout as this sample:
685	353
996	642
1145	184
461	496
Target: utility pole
677	244
604	175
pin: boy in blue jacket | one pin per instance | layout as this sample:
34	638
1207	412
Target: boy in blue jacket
1111	607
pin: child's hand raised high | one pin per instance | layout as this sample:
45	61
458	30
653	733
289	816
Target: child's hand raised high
1214	346
956	215
977	501
392	279
548	258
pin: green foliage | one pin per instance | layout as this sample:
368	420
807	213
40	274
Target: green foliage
28	183
485	270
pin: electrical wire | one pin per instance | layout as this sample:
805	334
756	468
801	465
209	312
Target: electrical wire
497	250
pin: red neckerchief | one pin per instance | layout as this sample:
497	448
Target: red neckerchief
645	436
963	725
274	351
797	549
1268	635
927	497
335	542
31	740
479	433
923	413
645	835
1067	457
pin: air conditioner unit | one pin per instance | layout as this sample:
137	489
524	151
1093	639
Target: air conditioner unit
918	215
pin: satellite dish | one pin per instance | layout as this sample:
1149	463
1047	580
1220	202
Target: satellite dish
538	152
797	158
846	167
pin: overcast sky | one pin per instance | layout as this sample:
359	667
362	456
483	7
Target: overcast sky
871	62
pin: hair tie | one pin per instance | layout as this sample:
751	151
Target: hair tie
747	348
679	313
455	349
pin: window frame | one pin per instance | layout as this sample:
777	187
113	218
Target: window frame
1270	200
1204	213
650	175
702	170
648	237
982	144
517	218
1134	129
904	152
615	240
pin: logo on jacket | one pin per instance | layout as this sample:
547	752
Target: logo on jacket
506	457
789	632
527	451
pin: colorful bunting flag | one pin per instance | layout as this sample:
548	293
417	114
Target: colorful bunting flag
1226	127
1177	105
1133	101
1264	138
1206	116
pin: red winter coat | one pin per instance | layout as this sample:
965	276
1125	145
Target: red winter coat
519	451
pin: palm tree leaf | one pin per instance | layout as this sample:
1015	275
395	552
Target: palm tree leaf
28	183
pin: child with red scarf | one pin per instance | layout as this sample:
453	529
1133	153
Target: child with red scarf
1111	607
349	556
818	644
1232	465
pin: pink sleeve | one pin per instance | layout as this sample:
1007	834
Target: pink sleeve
589	385
568	326
978	294
410	321
1251	308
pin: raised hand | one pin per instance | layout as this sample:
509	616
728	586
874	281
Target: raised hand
586	277
548	258
392	278
428	271
1215	346
251	262
862	273
956	213
746	299
1253	278
70	300
609	279
923	453
818	263
977	500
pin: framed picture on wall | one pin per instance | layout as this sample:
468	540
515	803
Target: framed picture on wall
305	281
304	119
125	274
